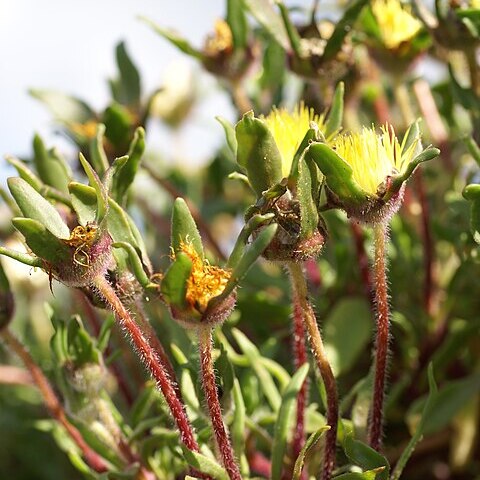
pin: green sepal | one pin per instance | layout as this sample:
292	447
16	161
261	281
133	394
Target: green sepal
366	457
342	28
64	108
51	168
184	228
397	180
311	442
242	239
35	207
175	39
127	89
269	19
98	157
285	420
24	172
338	174
237	21
174	283
21	257
250	254
334	120
126	174
229	134
472	193
118	124
306	186
41	241
258	153
94	180
292	32
135	263
204	464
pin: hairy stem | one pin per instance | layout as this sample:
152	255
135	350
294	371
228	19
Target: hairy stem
93	459
151	361
382	337
211	396
362	258
318	350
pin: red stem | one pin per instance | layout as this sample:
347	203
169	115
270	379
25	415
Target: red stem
382	338
211	396
93	459
151	361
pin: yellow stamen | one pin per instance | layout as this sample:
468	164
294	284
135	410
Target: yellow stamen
289	129
395	21
373	157
205	281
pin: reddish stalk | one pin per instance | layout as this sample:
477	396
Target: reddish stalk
300	357
211	396
382	337
151	361
93	459
316	343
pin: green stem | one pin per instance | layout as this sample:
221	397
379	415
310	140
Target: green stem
318	349
93	459
211	396
382	337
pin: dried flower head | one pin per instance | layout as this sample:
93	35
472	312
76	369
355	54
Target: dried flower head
221	41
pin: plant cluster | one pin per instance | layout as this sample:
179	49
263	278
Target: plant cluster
273	344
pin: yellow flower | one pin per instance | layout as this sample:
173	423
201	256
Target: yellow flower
87	129
205	281
289	129
395	21
373	157
221	41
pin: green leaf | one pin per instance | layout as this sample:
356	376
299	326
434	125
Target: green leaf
285	420
98	157
129	77
447	402
34	206
269	19
292	32
347	332
266	381
184	228
126	174
84	201
305	191
118	124
21	257
174	283
249	256
474	149
64	107
432	394
102	201
472	193
51	168
238	428
229	134
367	475
366	457
175	39
204	464
258	153
342	28
311	442
135	263
335	117
237	22
338	174
41	241
24	172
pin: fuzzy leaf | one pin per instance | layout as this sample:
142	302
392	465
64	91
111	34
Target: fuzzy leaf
338	174
34	206
51	168
204	464
174	283
41	241
184	228
258	153
285	420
